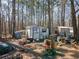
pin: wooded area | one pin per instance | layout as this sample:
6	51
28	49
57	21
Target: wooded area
39	21
17	14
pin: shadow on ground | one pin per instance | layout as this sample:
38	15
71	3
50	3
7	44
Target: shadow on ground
53	56
70	52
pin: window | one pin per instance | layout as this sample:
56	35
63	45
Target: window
35	29
43	30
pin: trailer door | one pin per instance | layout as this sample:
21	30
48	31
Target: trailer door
36	33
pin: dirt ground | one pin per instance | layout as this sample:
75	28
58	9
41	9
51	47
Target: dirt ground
64	51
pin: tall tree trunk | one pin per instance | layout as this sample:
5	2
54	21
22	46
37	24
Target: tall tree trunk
41	17
43	14
63	15
26	15
52	29
3	19
74	24
33	12
0	19
78	24
13	17
34	8
18	16
30	21
45	18
58	17
38	13
9	23
5	25
70	22
22	17
49	18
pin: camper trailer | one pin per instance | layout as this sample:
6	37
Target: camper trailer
36	33
66	33
65	30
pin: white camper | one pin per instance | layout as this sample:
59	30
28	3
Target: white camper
67	30
36	32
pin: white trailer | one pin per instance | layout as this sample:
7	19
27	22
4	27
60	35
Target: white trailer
37	32
66	30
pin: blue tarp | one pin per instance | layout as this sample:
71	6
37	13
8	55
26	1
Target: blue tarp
17	35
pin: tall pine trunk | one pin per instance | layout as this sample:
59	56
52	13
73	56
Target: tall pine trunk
78	23
0	19
13	18
43	14
18	16
9	23
22	17
49	18
58	17
63	15
74	24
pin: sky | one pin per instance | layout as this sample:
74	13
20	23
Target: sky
67	12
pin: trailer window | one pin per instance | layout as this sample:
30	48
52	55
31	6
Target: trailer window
43	30
35	29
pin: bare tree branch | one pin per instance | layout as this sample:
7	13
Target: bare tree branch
76	11
77	2
78	5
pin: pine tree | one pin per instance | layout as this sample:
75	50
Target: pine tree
74	24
